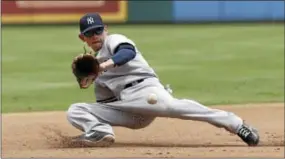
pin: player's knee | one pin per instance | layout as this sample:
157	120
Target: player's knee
73	109
142	122
74	114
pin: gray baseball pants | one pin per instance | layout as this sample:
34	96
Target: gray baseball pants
134	112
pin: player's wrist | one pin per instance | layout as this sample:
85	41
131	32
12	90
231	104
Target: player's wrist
107	65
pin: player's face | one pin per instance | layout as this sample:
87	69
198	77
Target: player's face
95	38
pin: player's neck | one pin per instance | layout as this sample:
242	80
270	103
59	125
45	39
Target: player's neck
96	53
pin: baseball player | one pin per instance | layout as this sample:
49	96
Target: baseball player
129	93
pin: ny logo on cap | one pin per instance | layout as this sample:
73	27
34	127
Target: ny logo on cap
90	20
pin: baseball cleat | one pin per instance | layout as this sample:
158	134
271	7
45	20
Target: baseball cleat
95	139
249	135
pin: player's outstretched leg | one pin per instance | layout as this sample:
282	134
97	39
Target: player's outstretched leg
137	99
96	121
192	110
189	109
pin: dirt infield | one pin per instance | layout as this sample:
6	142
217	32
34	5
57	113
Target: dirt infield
40	135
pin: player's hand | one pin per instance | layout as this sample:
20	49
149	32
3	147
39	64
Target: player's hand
106	65
85	82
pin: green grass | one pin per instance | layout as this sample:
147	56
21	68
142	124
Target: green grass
213	64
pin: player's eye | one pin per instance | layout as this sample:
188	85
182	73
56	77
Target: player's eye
99	31
88	34
96	31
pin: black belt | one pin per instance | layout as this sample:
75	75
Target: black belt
108	100
133	83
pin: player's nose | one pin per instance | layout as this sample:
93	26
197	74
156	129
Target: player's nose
95	37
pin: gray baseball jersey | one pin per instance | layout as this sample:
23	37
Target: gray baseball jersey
111	82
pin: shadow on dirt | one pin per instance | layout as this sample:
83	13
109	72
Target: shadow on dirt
206	145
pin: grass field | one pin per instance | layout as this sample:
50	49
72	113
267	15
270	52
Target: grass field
214	64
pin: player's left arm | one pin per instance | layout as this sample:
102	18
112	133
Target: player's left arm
123	53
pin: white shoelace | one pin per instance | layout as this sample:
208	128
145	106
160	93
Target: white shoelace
244	132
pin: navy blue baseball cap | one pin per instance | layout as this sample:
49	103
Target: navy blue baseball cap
90	21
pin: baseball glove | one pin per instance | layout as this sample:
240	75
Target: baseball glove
85	68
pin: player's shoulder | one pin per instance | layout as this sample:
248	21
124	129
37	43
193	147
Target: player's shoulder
119	38
116	36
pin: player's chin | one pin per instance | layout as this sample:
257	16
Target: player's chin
96	46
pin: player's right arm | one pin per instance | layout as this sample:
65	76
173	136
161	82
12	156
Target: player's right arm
124	54
122	50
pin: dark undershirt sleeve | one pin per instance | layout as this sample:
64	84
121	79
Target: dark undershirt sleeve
123	53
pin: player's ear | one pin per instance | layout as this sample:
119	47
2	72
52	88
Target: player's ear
105	27
81	37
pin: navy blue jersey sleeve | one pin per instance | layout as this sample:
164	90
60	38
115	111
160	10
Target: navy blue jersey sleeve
123	54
